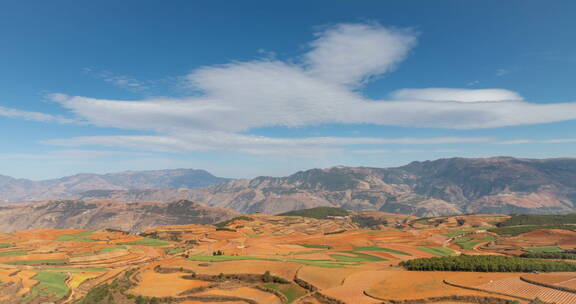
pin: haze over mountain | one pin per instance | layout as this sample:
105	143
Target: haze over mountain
12	189
429	188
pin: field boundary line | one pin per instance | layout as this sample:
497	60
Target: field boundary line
560	288
486	291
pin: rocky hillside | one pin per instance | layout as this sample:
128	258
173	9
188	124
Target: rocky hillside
12	189
132	217
430	188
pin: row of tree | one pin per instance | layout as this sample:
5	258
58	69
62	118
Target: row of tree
487	263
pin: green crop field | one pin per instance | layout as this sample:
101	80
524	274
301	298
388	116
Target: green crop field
543	249
468	243
376	248
13	253
437	250
77	237
358	257
148	242
316	246
6	245
72	269
52	284
453	233
37	262
290	291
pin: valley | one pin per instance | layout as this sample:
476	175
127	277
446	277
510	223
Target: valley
321	255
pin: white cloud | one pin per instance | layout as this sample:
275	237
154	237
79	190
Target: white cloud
251	144
32	116
502	72
461	95
122	81
383	151
348	54
70	154
321	89
538	141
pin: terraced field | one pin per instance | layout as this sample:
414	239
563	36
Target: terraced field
266	259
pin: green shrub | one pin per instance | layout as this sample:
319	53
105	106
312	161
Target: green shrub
318	212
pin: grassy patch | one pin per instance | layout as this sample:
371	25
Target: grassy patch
38	262
6	245
13	253
539	219
171	251
79	278
101	250
223	258
77	237
238	218
319	263
383	231
453	233
517	230
279	234
316	246
469	243
290	291
51	284
148	242
318	212
437	250
72	269
382	249
358	258
543	249
322	263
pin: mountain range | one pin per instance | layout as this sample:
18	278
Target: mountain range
12	189
429	188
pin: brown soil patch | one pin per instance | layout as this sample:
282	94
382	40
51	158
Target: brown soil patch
244	292
153	284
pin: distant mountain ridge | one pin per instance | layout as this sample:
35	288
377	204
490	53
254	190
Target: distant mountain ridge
430	188
12	189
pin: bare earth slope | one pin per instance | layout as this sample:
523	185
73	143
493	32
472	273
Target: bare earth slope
132	217
430	188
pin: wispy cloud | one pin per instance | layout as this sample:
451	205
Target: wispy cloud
251	144
384	151
70	154
502	72
32	116
538	141
121	81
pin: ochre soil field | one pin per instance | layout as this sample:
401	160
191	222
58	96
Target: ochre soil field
246	293
558	279
546	237
398	285
153	284
515	287
284	270
353	286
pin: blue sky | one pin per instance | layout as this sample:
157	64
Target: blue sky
247	88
